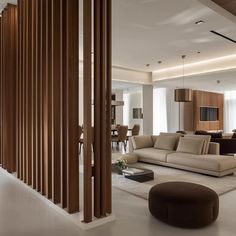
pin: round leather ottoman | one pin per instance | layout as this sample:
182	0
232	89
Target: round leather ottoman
183	204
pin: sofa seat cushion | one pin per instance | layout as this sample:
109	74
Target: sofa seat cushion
152	154
205	162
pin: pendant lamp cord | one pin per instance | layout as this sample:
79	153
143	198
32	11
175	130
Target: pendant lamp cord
183	57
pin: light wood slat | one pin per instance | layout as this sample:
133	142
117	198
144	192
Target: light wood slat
72	105
87	111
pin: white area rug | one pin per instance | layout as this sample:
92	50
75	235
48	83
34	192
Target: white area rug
164	174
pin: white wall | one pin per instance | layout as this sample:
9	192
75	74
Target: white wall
119	109
147	109
172	108
132	99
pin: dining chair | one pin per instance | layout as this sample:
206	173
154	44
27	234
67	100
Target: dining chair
135	130
121	136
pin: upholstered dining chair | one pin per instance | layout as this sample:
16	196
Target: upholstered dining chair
135	130
121	136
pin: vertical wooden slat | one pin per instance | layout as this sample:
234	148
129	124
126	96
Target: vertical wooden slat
34	104
64	103
39	88
108	108
97	119
72	105
57	78
20	18
0	90
102	91
49	100
103	107
29	100
87	111
44	101
9	58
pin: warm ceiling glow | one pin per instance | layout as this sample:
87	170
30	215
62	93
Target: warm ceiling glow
218	59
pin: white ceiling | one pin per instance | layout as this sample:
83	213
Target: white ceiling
146	31
215	82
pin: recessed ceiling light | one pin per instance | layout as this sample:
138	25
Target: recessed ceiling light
147	65
198	52
159	62
200	22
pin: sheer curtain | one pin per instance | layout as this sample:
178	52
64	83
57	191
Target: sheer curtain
159	111
230	111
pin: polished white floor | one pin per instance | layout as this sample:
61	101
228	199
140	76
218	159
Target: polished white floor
23	213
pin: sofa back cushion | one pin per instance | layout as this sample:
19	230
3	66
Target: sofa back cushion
206	138
190	145
177	135
166	142
143	141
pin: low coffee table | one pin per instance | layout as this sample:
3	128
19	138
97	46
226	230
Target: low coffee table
138	174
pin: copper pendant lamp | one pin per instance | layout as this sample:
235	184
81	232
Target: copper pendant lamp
183	94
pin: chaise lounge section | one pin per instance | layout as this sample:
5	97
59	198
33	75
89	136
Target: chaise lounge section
189	152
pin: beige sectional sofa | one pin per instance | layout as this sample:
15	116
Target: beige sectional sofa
192	153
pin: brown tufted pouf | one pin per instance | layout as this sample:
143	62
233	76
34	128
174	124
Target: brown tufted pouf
183	204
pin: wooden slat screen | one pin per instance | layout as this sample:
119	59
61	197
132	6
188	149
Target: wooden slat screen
39	106
47	110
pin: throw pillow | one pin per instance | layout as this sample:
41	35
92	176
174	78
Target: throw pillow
143	141
166	142
177	135
190	145
207	139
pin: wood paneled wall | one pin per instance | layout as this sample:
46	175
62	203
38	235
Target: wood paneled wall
48	99
8	114
192	111
39	100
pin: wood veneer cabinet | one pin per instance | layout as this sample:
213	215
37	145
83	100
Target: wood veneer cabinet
192	120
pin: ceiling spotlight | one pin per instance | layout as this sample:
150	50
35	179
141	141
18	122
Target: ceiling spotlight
159	62
200	22
147	65
218	81
198	52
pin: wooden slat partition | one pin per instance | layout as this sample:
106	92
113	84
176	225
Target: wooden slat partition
47	95
39	100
